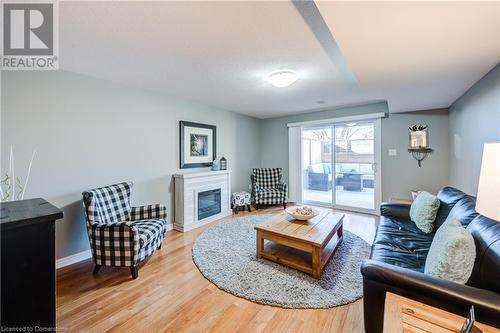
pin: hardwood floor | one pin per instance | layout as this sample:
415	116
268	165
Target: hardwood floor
171	295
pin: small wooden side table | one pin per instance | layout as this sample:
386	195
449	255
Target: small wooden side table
406	315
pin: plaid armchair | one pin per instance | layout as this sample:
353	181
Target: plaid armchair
267	188
121	235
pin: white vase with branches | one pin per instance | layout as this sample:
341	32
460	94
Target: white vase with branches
11	187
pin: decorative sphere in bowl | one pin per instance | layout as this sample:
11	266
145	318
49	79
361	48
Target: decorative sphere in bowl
302	213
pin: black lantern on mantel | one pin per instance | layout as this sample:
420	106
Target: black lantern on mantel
223	163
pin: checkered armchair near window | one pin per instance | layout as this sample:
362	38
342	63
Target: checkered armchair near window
267	188
121	235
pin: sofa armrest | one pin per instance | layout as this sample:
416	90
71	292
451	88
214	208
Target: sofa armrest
395	209
433	291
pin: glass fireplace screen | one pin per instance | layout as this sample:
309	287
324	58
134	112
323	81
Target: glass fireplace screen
208	203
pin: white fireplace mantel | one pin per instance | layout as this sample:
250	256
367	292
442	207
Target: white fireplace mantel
188	185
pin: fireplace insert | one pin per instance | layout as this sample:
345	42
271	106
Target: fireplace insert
209	203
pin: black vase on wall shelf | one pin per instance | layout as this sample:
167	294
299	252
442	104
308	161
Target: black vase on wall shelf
223	163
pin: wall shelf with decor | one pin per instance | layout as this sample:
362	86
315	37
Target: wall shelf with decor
419	142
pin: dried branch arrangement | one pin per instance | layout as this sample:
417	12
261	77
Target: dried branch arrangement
11	187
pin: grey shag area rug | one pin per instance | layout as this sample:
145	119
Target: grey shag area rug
225	255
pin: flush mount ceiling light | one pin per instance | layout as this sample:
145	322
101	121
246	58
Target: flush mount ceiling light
282	78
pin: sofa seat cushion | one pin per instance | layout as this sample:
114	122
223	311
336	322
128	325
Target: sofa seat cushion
399	242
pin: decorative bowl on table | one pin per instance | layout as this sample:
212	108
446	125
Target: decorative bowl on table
302	212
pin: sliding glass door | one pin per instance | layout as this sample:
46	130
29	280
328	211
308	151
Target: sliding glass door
354	165
339	165
317	158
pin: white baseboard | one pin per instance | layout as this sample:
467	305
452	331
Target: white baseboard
74	258
84	255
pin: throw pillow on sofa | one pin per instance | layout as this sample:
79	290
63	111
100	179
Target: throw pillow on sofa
452	253
423	211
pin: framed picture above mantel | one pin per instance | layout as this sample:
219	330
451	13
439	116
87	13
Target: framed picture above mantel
197	144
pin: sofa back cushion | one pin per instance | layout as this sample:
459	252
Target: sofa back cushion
448	196
486	271
464	211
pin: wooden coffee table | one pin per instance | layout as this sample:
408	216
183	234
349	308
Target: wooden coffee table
306	246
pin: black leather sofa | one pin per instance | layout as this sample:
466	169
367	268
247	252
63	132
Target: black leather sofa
398	256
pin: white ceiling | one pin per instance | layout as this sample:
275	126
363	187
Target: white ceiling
416	56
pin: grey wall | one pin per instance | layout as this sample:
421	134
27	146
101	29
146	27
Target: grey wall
90	133
474	120
400	174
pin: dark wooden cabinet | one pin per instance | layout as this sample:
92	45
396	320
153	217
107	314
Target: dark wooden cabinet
28	277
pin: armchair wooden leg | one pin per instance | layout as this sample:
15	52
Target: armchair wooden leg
284	205
96	269
256	206
159	247
135	271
